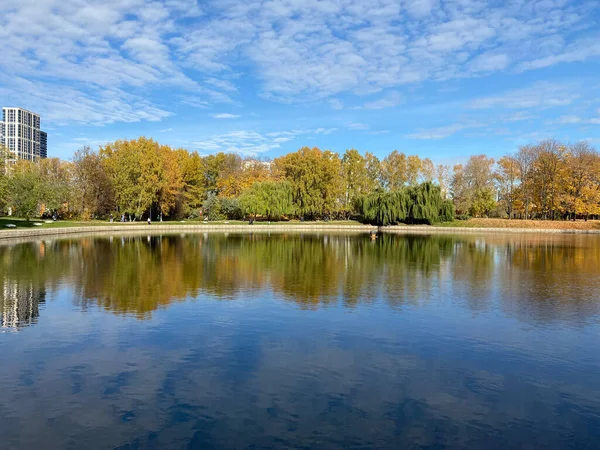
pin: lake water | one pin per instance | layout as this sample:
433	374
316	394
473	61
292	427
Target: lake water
300	341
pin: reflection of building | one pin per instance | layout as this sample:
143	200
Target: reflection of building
21	133
19	304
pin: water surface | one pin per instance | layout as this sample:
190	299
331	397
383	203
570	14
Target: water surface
300	341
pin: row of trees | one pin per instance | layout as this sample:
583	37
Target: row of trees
139	177
548	180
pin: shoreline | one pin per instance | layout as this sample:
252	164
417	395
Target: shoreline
21	233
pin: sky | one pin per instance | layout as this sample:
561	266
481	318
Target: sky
441	79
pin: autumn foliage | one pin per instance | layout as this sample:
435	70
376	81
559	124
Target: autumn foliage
140	178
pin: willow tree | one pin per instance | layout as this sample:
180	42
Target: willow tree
316	180
419	204
425	203
272	199
385	208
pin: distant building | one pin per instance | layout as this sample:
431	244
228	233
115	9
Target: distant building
249	163
43	144
21	135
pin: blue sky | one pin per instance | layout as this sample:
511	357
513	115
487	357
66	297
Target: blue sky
442	79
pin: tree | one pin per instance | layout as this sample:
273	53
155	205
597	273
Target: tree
26	189
581	187
414	168
272	199
473	186
57	179
93	189
525	158
548	176
373	171
428	170
459	190
4	156
212	207
315	177
356	178
508	176
193	188
221	173
443	178
144	174
394	170
415	204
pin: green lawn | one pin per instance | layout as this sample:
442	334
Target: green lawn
22	223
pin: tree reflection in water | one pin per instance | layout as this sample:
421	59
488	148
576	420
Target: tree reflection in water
533	277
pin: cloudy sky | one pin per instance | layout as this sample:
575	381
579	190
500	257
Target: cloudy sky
442	79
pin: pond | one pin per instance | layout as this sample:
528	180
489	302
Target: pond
300	341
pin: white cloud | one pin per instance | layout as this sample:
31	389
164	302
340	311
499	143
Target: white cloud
388	101
225	116
324	130
63	105
195	102
165	130
567	120
295	50
358	126
336	103
251	143
442	132
539	95
574	120
580	50
519	116
489	62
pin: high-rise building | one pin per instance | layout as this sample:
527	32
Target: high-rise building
43	144
21	133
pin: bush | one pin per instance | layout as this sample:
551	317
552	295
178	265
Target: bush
230	208
212	207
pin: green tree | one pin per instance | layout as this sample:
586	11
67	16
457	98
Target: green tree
272	199
144	174
316	180
56	176
417	204
356	179
4	157
211	207
26	189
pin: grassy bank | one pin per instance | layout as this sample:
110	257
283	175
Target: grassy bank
528	224
22	223
471	223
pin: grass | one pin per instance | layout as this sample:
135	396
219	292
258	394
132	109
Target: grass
530	224
471	223
22	223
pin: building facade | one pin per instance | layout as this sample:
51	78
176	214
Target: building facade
21	134
43	144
